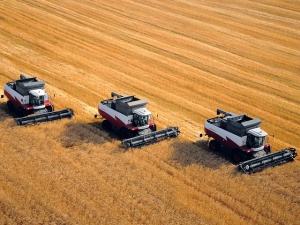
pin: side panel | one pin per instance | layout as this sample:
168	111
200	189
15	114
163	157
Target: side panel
224	137
17	99
117	119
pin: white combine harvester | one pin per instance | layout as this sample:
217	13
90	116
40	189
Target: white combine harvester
28	96
129	116
243	138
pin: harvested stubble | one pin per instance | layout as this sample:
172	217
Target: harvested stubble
187	58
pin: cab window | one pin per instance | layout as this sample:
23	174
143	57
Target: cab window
139	120
254	141
36	101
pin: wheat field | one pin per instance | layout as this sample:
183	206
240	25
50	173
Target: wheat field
187	58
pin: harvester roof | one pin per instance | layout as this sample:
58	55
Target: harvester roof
37	92
142	112
258	132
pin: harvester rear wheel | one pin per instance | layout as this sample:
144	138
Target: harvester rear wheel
10	105
106	125
214	145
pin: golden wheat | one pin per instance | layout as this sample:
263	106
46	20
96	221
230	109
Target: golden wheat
188	58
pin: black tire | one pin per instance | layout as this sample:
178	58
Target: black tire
50	108
10	106
268	149
153	128
214	145
106	125
236	156
125	133
22	112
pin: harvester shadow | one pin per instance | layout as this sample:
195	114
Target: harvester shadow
189	153
78	133
5	113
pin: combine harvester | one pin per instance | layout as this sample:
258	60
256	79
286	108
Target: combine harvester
129	116
28	96
242	137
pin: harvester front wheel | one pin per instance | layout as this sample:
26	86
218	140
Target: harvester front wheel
268	150
214	145
125	133
153	128
50	108
236	156
106	125
22	112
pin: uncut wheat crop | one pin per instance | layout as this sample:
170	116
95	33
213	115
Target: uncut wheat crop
187	58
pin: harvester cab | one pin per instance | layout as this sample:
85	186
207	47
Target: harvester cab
141	118
130	117
36	97
37	100
142	121
256	139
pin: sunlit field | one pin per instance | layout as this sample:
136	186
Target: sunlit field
187	58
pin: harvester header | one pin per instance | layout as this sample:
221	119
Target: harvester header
273	159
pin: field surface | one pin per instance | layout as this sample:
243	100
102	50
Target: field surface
187	58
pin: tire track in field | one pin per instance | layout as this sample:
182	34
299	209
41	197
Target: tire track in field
227	15
243	45
94	110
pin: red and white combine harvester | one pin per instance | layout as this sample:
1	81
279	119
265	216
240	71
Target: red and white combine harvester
28	96
243	138
129	116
